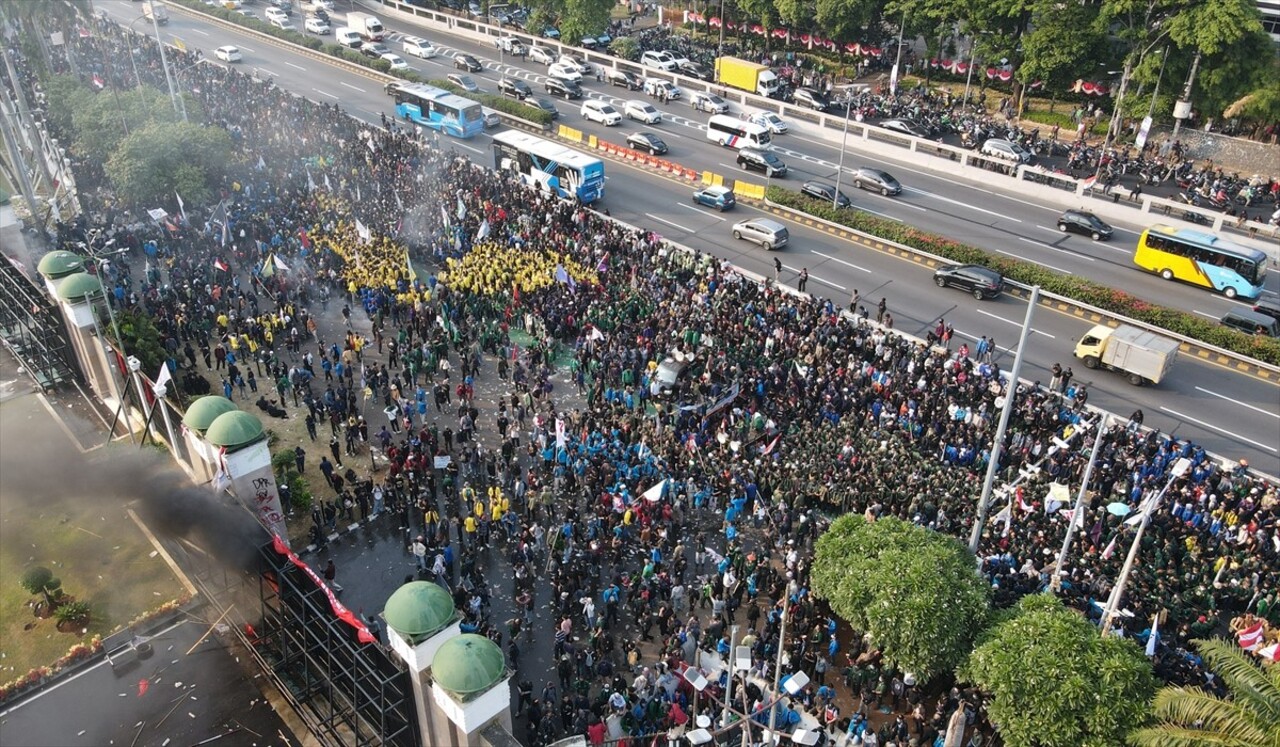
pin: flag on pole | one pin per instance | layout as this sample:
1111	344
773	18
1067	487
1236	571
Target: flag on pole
399	204
222	220
261	163
482	233
358	197
163	378
311	182
363	232
562	275
1004	515
181	207
408	263
1155	635
268	267
772	444
220	265
304	238
603	265
98	82
444	216
1110	549
327	185
279	263
462	208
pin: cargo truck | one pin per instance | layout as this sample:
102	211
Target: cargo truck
1143	356
749	76
366	26
156	12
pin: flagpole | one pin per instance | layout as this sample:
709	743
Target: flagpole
1077	512
1179	469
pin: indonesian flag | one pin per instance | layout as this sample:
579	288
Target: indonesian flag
772	444
1251	637
220	265
692	443
1270	653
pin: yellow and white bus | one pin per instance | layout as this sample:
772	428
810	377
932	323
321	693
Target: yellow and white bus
1203	259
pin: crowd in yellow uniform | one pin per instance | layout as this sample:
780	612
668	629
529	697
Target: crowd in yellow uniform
490	269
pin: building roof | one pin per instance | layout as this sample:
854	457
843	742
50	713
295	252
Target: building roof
202	412
234	429
78	285
60	263
468	664
418	609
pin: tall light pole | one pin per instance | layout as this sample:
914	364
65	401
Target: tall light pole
1180	468
164	62
835	198
1077	512
897	62
782	646
1184	104
997	444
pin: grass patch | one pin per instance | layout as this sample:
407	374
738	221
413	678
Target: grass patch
102	558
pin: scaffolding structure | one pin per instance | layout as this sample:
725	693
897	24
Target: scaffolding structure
32	328
350	694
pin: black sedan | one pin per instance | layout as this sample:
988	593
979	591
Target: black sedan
1085	223
647	141
545	104
980	281
825	192
374	49
694	70
876	180
468	63
515	88
905	126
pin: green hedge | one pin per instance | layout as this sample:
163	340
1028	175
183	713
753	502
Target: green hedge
1080	289
498	103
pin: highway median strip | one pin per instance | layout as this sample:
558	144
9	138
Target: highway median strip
1263	349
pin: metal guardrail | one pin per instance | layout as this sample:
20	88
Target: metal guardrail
1188	344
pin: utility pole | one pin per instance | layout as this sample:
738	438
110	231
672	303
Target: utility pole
844	139
777	667
164	62
35	138
1184	104
997	445
1077	513
897	62
19	163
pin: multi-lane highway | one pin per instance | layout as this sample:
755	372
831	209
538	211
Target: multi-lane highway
1228	411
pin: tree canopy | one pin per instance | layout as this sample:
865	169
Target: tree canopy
167	157
1056	682
917	592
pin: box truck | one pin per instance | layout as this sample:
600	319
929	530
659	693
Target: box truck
365	25
748	76
156	12
1143	356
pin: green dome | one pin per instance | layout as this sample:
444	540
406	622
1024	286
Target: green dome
59	264
468	665
77	285
418	609
201	414
234	429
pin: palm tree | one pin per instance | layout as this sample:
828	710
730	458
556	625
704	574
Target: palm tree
1191	717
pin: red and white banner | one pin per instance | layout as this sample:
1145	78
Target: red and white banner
1251	637
339	609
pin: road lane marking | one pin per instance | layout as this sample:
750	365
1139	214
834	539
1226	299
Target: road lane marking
324	93
1211	426
669	223
354	88
296	67
841	261
202	33
1207	316
1056	249
1238	402
974	337
813	277
701	212
1034	261
1016	324
962	204
468	147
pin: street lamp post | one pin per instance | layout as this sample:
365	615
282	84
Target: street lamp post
1180	468
1077	512
164	62
782	646
844	139
897	61
1184	104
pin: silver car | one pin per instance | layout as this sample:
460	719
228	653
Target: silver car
766	232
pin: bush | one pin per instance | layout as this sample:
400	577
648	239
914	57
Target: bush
625	47
1265	349
73	613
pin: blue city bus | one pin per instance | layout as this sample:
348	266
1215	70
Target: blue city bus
438	109
1202	259
549	166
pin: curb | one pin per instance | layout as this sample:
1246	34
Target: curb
1258	369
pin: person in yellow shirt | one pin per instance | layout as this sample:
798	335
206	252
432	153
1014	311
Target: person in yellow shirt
478	509
470	526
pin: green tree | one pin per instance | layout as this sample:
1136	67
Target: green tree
625	47
1055	681
1191	717
1260	105
153	163
583	18
846	19
1062	44
140	338
40	580
102	120
917	592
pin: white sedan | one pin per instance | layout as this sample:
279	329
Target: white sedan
228	53
565	71
397	62
317	26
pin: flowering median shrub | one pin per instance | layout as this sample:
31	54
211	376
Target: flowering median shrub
1265	349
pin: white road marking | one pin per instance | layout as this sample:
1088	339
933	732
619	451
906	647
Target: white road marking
1016	324
876	212
1050	230
1207	316
962	204
1034	261
1054	248
1099	244
815	277
669	223
296	67
324	93
841	261
905	204
246	49
1268	413
354	88
974	337
701	212
468	147
1201	423
202	33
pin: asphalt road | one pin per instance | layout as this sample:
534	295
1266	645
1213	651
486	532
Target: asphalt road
1228	412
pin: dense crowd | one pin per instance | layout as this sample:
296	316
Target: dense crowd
682	504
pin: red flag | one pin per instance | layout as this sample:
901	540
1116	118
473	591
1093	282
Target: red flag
1251	637
144	684
306	240
97	81
515	293
772	444
339	609
220	265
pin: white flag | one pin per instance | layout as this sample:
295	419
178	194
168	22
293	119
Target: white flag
462	209
1155	635
311	183
363	231
162	379
181	207
279	263
482	233
326	182
261	163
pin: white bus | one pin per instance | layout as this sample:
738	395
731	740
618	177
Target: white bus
738	133
549	165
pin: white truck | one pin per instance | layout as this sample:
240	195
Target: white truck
156	12
1143	356
366	26
748	76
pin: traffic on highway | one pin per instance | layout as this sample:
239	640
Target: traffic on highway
1228	411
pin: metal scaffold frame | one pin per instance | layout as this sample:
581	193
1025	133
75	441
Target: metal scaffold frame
32	329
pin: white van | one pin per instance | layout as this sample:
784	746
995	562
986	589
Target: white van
275	15
1006	149
732	132
347	37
